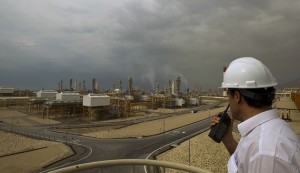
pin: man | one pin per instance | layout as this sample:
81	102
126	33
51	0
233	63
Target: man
267	143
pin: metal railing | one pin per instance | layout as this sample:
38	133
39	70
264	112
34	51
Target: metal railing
132	163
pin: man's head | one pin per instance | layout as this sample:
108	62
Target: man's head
250	82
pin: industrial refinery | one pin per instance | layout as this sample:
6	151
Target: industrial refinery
93	105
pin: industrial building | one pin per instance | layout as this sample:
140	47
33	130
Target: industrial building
47	94
68	96
6	91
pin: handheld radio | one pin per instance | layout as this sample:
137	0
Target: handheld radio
217	132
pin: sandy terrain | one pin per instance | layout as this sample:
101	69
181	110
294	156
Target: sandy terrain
204	153
11	116
22	154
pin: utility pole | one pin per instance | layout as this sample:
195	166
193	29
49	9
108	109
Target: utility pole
189	151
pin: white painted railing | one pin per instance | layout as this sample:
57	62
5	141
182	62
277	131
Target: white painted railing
132	163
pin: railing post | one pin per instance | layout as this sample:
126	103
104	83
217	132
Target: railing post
133	168
163	169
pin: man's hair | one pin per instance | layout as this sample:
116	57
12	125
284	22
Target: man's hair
257	98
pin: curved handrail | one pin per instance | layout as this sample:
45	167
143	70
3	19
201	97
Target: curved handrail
106	163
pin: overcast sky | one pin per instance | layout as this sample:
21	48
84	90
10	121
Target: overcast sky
45	41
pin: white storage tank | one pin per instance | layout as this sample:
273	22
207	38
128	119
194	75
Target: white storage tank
67	96
51	94
129	97
179	102
144	98
194	101
91	100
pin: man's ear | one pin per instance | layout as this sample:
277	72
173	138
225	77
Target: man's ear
237	96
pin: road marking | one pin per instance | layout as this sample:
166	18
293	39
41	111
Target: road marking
174	142
91	150
173	133
75	141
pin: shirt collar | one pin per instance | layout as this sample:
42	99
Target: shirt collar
248	125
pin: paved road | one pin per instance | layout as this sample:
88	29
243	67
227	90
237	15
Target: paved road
92	149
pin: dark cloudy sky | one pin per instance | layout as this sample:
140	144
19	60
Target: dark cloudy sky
45	41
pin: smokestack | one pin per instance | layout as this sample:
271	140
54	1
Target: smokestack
178	83
157	88
94	85
130	85
75	86
61	85
58	86
113	87
79	86
71	82
120	82
169	87
97	87
83	83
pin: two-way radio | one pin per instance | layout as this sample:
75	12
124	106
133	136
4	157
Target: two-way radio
217	131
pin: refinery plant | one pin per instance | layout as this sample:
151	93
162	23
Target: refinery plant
93	104
118	102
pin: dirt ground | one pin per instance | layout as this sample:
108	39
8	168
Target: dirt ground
23	154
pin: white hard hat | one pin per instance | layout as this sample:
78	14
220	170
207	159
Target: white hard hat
248	72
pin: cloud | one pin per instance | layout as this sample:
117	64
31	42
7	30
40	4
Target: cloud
150	40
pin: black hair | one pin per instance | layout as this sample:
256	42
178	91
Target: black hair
258	98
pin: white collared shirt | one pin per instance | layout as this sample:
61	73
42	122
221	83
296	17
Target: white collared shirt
268	144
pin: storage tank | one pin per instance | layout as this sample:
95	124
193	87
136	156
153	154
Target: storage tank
68	96
194	101
144	98
91	100
179	102
129	97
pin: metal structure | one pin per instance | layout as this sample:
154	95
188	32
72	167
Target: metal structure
61	108
94	113
132	163
94	105
35	105
161	101
122	105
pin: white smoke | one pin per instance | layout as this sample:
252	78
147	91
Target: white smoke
172	74
150	76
